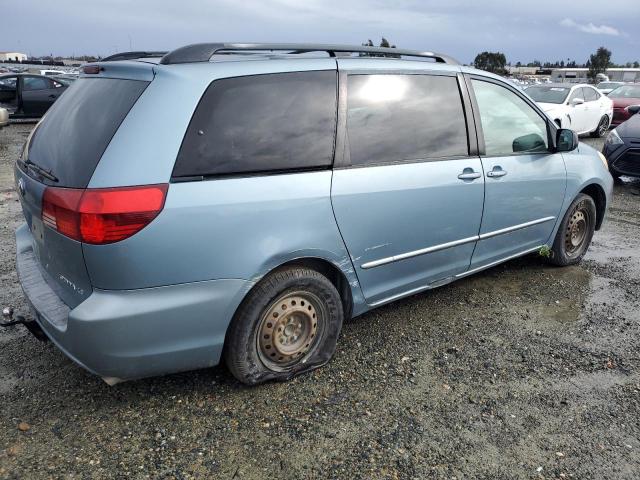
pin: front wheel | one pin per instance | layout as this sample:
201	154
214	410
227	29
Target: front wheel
288	324
601	129
575	232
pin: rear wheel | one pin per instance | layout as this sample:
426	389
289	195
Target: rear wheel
288	324
575	233
601	129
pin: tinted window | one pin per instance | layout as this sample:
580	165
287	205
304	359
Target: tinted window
78	127
36	83
590	94
508	122
260	123
404	117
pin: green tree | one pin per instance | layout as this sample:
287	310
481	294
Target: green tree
491	62
598	63
636	64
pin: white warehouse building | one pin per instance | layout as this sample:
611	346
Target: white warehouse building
12	56
579	75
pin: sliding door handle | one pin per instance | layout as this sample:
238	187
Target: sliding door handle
496	172
469	175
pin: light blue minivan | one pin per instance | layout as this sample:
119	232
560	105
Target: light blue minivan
239	201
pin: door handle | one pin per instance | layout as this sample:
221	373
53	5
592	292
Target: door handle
496	172
469	174
52	96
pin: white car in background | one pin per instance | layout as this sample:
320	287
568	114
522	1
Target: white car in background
580	107
4	117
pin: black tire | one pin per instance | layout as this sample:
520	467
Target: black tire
311	299
602	127
575	232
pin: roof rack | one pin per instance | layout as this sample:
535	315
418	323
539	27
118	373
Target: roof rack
202	52
132	56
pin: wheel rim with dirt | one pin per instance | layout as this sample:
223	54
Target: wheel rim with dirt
289	329
602	126
576	233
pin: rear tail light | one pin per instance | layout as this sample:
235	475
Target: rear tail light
102	215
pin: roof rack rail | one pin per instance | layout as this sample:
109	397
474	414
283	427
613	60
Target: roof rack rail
132	56
202	52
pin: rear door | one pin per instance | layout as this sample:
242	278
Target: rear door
407	190
68	143
38	94
594	110
525	181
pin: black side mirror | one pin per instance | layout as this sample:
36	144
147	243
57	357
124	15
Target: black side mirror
566	140
529	143
633	109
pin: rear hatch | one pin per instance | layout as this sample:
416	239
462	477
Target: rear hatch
62	153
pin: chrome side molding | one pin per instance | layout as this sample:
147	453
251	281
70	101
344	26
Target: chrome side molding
455	243
439	283
415	253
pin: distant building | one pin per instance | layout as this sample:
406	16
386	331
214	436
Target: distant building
12	57
522	70
579	75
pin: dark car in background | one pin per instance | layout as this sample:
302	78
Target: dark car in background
623	97
622	146
29	96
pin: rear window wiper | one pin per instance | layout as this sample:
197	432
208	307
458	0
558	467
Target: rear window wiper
48	174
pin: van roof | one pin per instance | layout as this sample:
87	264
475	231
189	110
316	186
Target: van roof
204	52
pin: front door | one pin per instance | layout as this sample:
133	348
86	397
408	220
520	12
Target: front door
525	182
408	196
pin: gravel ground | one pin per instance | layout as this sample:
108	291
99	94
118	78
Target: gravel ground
523	371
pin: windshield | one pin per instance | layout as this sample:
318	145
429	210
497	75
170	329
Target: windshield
626	91
608	85
547	94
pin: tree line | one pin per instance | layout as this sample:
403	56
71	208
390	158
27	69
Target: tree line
598	62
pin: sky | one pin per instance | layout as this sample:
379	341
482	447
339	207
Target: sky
546	30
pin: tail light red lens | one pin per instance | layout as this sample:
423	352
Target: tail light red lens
102	215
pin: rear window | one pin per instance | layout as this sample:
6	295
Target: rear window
261	123
77	129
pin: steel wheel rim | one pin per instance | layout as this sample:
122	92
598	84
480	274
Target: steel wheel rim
576	231
289	329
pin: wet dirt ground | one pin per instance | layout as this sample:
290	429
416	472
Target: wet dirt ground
523	371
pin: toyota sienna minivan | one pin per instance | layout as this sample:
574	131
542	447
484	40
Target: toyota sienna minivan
237	202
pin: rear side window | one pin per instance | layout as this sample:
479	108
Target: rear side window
393	118
261	123
76	130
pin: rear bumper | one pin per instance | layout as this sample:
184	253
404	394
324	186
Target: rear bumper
128	334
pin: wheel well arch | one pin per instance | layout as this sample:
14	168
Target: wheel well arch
335	275
329	270
596	192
